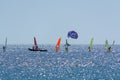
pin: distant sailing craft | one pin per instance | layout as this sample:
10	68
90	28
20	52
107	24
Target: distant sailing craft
35	47
57	47
5	46
66	46
91	45
107	47
70	35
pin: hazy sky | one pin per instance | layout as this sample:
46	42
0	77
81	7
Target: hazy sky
21	20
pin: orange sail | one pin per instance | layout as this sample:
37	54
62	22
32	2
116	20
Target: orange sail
58	45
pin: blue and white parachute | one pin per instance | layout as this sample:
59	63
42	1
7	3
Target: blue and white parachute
72	34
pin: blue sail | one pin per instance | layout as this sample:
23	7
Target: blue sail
72	34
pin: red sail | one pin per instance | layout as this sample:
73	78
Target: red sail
35	44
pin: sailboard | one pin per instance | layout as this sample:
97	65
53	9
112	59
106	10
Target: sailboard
35	47
5	46
106	44
66	46
110	47
91	44
57	47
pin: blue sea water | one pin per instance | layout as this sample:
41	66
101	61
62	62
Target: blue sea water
17	63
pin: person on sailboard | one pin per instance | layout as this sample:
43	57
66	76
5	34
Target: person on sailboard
66	46
4	48
91	44
109	49
89	49
35	47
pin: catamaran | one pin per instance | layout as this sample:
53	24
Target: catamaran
35	47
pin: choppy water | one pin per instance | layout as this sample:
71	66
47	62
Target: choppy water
17	63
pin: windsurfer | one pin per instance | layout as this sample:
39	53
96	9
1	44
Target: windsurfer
89	49
66	46
109	49
35	47
4	48
57	47
91	44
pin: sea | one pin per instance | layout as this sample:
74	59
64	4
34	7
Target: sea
18	63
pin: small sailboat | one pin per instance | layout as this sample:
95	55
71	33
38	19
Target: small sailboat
5	46
91	44
57	47
35	47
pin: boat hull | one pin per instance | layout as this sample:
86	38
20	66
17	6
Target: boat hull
41	50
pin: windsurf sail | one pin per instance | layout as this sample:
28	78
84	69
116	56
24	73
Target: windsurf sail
35	43
6	42
106	44
113	43
57	47
91	43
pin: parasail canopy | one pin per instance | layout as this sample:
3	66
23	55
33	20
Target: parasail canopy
72	34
